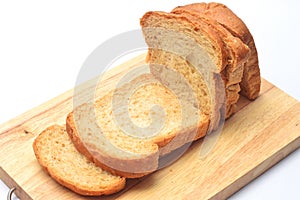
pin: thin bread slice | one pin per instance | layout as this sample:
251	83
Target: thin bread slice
129	139
191	49
250	85
59	158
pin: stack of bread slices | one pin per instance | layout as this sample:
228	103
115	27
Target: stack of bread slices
201	57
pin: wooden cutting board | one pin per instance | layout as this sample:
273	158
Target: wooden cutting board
258	136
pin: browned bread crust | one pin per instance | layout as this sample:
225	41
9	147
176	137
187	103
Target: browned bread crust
250	85
238	54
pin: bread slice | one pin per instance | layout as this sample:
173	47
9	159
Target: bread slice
128	129
183	45
57	155
250	85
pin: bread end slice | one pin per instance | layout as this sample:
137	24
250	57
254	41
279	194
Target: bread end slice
57	155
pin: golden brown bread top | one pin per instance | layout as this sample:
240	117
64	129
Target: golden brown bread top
250	85
223	15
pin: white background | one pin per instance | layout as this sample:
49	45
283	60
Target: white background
43	45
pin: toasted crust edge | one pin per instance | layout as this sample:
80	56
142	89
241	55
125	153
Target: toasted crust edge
251	82
235	47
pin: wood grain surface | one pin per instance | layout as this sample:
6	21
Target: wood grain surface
259	135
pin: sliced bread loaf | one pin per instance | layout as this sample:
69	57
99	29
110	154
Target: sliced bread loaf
126	130
57	155
250	85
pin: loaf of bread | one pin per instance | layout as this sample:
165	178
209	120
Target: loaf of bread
201	57
57	155
198	67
